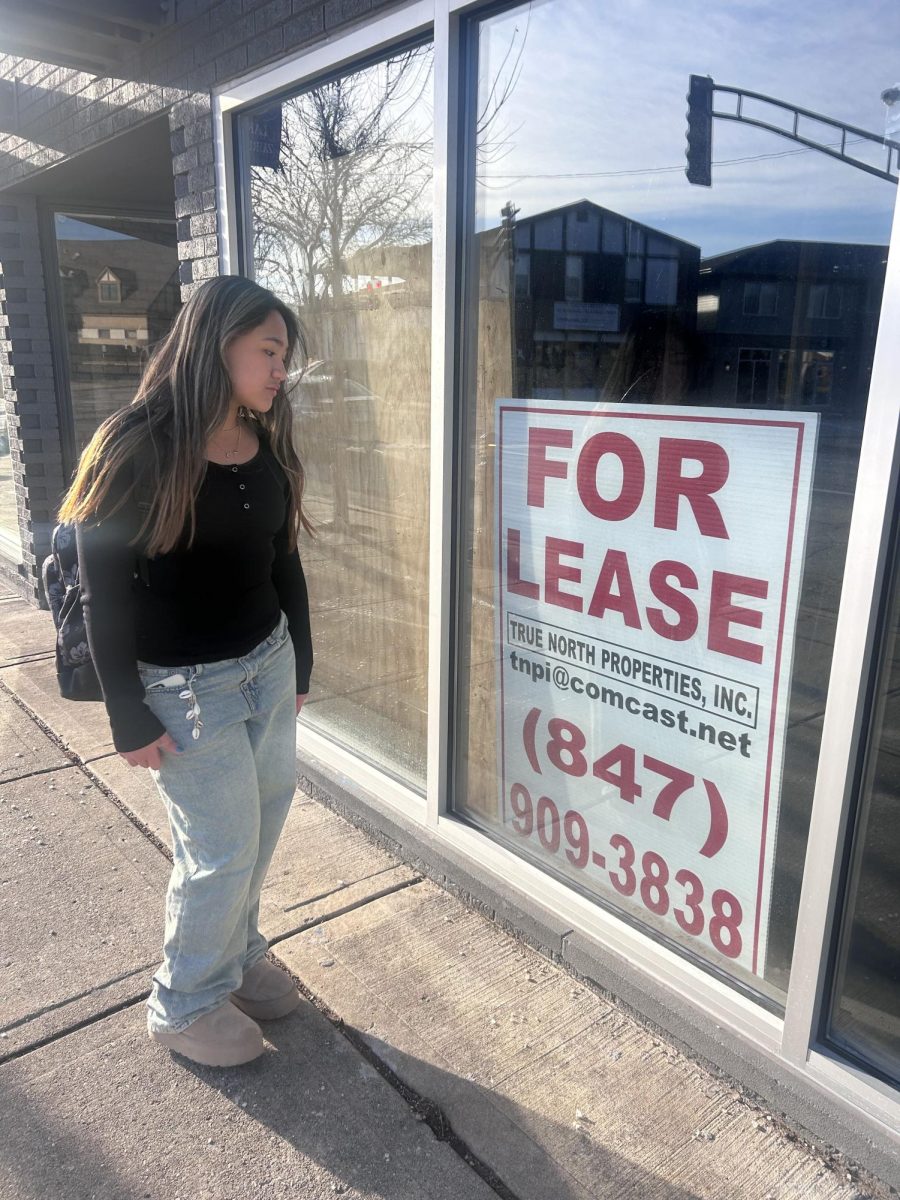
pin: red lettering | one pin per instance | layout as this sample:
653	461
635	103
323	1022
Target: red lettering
671	484
723	613
632	476
615	570
686	626
539	465
514	581
555	571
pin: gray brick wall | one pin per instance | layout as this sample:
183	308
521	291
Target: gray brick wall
29	389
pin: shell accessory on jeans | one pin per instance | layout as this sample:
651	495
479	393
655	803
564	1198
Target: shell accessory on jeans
193	713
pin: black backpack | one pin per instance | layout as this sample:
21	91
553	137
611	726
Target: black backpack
74	666
62	587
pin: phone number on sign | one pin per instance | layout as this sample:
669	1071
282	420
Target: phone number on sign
568	833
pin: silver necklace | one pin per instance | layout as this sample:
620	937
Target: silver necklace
232	453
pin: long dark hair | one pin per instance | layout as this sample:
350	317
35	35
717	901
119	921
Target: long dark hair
183	397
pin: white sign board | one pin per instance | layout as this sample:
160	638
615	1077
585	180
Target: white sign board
577	314
649	570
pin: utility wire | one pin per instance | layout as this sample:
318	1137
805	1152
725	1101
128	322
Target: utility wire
720	162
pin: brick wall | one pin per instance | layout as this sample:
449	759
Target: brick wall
29	389
61	112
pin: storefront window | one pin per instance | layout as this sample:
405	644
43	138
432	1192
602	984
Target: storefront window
865	1018
661	453
118	278
339	179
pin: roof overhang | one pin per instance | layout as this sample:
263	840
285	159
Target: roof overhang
95	36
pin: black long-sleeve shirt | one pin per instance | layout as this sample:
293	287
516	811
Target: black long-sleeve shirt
216	600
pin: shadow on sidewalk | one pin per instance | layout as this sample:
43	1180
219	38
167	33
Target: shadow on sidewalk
106	1113
526	1147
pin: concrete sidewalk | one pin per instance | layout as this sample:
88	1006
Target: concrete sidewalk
434	1055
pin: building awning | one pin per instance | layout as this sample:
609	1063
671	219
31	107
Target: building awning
95	36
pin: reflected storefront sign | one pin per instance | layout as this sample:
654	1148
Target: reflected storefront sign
649	570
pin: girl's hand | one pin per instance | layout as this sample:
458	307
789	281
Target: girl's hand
149	756
300	700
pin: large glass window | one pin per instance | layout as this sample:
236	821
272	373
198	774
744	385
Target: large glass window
339	183
865	1016
118	279
659	463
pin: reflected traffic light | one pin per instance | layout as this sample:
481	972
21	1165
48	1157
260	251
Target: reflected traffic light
699	131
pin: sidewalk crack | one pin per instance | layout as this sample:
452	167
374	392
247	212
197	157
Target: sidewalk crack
58	1004
340	912
333	892
424	1109
39	1044
38	771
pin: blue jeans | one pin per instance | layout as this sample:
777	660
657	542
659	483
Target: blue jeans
227	797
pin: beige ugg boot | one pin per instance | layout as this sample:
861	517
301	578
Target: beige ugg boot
224	1037
266	992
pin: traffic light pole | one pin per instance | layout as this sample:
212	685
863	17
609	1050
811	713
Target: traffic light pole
701	113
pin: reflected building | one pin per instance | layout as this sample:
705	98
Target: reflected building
119	296
790	324
604	306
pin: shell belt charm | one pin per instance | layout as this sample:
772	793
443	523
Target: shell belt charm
193	712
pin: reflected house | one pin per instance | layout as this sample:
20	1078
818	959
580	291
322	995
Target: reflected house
119	295
604	306
791	324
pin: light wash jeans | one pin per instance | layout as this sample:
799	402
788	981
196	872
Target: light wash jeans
227	796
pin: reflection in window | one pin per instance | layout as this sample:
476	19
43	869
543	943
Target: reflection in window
574	276
865	1017
106	260
817	376
710	297
110	288
523	275
634	279
613	236
753	377
548	233
339	180
760	299
582	229
662	281
824	301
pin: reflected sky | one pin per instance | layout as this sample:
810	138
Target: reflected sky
74	230
595	108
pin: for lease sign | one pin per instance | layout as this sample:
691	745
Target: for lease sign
649	566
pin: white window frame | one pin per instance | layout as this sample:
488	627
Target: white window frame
790	1044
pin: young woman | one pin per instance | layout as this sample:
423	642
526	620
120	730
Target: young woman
186	504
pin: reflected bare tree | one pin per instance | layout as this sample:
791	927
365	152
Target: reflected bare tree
355	164
493	135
